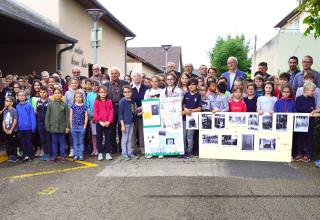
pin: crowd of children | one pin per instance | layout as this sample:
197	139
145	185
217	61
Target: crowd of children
51	113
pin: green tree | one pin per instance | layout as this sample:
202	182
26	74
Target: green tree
312	7
225	48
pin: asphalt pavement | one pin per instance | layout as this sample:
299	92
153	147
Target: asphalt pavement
170	188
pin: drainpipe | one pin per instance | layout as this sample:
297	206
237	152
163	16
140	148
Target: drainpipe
60	52
125	56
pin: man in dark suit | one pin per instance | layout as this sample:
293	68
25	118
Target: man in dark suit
115	87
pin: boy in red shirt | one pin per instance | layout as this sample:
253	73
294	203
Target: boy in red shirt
236	104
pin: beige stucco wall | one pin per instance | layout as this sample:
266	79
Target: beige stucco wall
296	22
47	8
277	51
76	23
139	66
18	58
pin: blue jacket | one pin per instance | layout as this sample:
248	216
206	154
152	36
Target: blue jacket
238	74
41	112
91	97
285	105
136	96
126	111
26	117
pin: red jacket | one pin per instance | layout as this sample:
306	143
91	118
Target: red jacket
239	106
103	111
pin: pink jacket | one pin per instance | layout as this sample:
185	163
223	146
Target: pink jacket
103	111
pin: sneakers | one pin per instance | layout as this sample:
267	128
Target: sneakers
26	158
62	159
94	153
45	157
317	163
81	158
100	156
41	153
132	156
37	154
75	158
160	157
306	159
53	159
126	158
108	156
297	158
148	156
71	154
13	158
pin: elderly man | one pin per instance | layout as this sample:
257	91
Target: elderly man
293	68
188	68
233	73
172	67
298	80
76	73
138	91
96	73
203	71
45	76
115	87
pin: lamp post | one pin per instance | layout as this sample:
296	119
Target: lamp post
166	47
95	14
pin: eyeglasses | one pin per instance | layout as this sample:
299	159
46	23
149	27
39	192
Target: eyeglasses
95	69
76	72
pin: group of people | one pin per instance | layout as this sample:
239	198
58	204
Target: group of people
104	113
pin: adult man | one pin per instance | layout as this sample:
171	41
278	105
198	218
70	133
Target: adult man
138	91
263	68
45	76
233	73
96	73
76	73
115	87
293	68
307	62
203	71
172	67
188	68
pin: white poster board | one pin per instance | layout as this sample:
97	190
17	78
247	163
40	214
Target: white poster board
247	136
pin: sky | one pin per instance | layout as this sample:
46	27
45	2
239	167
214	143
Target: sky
195	24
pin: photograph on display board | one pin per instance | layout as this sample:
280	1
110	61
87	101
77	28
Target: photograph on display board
151	113
171	143
151	141
229	140
281	123
301	122
219	121
253	121
247	142
192	121
170	110
266	122
206	121
267	144
209	139
238	119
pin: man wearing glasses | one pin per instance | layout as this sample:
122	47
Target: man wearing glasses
96	73
76	73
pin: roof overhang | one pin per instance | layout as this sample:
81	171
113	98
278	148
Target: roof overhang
143	61
291	15
107	17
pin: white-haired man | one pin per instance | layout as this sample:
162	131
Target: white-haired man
171	66
188	68
76	73
233	73
138	91
115	87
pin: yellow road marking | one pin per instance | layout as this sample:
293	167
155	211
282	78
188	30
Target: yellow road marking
3	158
85	165
48	191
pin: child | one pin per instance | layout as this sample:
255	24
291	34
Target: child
205	103
26	125
103	116
221	103
224	79
41	108
191	103
266	103
285	103
154	91
171	89
89	104
309	77
251	99
212	93
147	82
69	100
236	104
126	117
284	79
306	104
183	82
258	81
78	124
51	83
57	123
9	126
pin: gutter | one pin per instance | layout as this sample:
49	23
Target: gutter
60	52
125	54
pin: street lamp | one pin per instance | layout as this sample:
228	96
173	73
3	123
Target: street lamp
166	47
95	14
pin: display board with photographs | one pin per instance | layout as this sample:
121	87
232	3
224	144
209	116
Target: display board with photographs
247	136
192	121
301	122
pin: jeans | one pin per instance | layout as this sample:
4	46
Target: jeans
11	144
26	143
126	140
45	139
78	141
188	136
100	132
58	138
305	140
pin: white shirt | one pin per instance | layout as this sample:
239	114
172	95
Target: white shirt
232	76
136	86
153	93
